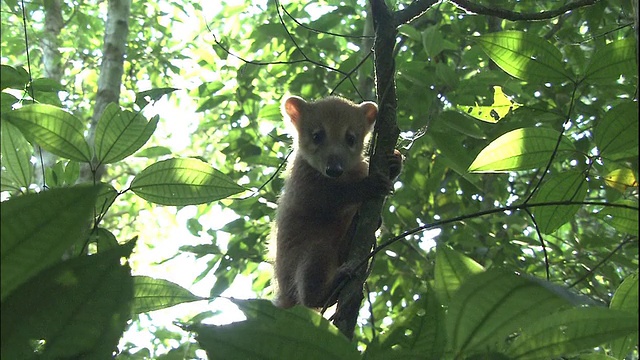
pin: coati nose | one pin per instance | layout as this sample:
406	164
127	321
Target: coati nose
334	168
334	171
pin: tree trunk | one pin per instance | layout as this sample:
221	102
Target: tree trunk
111	71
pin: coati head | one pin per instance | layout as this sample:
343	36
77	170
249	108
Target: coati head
330	132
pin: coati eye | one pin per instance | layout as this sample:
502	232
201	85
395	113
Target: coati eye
351	139
318	137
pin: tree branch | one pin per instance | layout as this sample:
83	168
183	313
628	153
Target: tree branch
516	16
385	136
413	11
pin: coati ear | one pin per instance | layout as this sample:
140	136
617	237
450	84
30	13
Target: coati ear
370	112
292	107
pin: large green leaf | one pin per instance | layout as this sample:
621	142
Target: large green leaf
492	305
417	333
183	182
16	155
10	77
525	56
625	299
121	133
458	122
452	269
154	294
54	129
565	186
623	219
520	149
570	331
273	333
75	309
615	59
38	228
456	157
616	133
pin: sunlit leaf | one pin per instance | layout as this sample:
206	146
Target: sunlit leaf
501	107
525	56
621	179
625	299
570	331
77	309
615	59
38	228
270	332
154	294
121	133
16	155
54	129
183	182
565	186
616	134
520	149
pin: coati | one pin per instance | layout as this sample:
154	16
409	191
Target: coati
327	181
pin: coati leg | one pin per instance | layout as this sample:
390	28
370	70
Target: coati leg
315	275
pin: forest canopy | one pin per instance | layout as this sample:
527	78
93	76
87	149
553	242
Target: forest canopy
143	151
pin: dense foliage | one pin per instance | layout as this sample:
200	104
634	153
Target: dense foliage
512	232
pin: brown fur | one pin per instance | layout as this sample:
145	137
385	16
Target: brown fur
327	182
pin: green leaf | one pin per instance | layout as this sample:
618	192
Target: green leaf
106	197
615	59
458	122
104	239
54	129
16	155
45	85
417	333
7	101
622	219
625	299
183	182
154	294
144	97
525	56
153	152
455	156
492	305
36	229
121	133
410	32
75	309
452	269
273	333
432	41
570	331
565	186
616	133
15	78
520	149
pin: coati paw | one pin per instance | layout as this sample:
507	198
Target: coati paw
395	164
379	184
